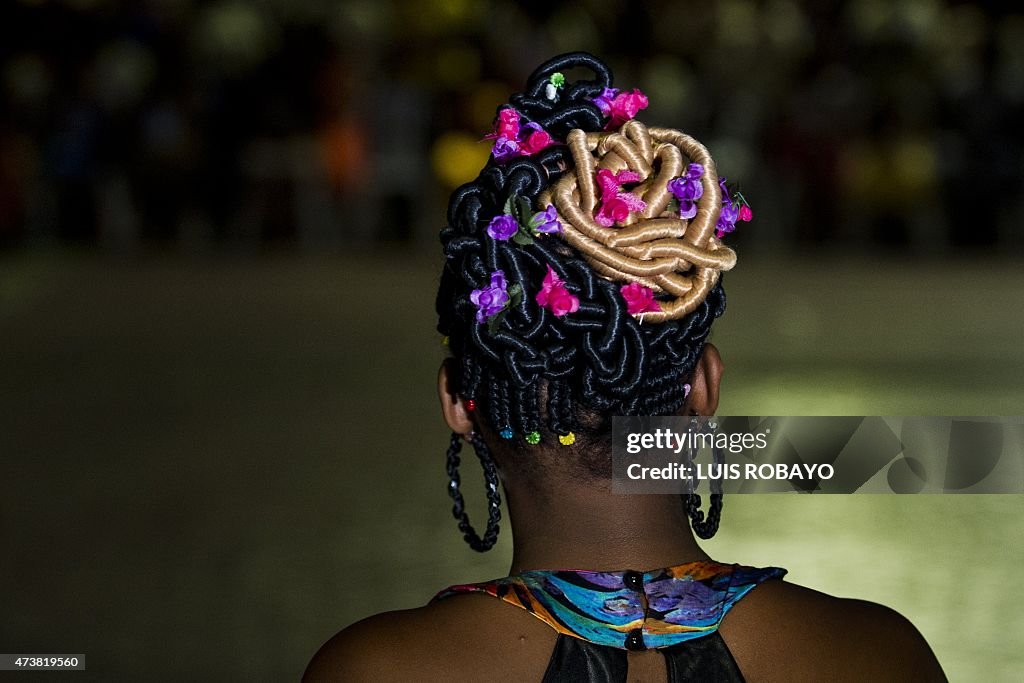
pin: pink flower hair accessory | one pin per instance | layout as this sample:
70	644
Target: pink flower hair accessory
536	141
512	138
639	299
507	125
555	297
620	107
616	203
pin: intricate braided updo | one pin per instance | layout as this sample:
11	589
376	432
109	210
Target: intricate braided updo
537	375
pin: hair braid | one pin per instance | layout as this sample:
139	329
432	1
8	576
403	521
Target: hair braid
601	359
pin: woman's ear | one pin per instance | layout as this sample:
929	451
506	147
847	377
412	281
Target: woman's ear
452	406
704	383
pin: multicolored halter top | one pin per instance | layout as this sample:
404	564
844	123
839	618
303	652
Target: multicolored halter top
676	610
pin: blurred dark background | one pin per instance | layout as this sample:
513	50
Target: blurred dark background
218	252
320	125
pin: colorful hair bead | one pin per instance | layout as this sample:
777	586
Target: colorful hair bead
554	84
444	340
533	438
470	405
506	433
567	439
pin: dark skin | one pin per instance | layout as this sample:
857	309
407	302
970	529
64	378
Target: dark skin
778	632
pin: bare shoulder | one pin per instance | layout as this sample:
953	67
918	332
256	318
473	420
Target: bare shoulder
783	631
468	637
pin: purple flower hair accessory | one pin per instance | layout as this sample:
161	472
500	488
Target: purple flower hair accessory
604	100
620	107
687	188
502	227
734	208
513	138
504	148
492	299
726	219
546	221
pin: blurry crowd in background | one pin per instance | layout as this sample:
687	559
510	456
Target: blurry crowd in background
323	124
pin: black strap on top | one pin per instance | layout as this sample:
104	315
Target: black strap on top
701	660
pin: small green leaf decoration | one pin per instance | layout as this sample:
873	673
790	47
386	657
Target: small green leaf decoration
515	294
520	209
521	238
557	79
494	322
524	210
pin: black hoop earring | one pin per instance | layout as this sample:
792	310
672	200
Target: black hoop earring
706	528
493	494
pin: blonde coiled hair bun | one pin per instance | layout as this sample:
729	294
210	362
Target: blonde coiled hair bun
680	260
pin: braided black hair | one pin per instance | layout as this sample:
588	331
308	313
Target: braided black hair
578	369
